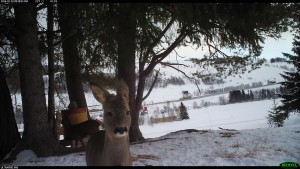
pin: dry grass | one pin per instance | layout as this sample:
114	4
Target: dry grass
280	149
251	154
227	134
144	156
217	142
226	155
237	145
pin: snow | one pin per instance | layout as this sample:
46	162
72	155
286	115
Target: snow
200	141
227	116
268	71
252	143
254	147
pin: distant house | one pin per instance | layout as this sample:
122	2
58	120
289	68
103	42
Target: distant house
144	111
271	81
186	95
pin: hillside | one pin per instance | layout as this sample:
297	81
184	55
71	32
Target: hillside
173	93
268	71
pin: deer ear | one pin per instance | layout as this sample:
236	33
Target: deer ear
99	93
122	89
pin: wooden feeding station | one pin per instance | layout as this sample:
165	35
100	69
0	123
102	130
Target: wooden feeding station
77	127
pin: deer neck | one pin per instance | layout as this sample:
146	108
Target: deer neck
116	151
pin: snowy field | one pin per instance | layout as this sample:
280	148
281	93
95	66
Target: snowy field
251	115
205	142
252	143
268	71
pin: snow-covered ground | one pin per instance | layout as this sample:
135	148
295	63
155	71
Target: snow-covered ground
253	144
238	116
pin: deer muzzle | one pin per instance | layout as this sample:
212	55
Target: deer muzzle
121	131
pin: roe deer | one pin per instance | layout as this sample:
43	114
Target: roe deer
111	146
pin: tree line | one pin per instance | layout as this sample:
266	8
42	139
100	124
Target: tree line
278	59
163	82
238	96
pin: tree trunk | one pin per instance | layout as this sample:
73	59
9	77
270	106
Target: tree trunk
51	100
68	22
8	126
126	62
37	135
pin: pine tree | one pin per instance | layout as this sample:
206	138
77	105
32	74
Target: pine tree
195	105
251	95
183	112
291	99
243	96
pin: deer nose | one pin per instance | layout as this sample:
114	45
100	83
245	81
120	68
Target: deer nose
120	130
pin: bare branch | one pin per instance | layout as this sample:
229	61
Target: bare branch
158	58
215	48
163	55
152	85
177	55
156	41
171	65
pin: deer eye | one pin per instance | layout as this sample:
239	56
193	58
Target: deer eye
128	113
109	114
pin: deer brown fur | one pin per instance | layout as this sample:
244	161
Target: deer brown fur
110	147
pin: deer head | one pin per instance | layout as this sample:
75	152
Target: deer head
117	119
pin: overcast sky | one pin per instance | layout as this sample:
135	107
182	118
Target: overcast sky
272	48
